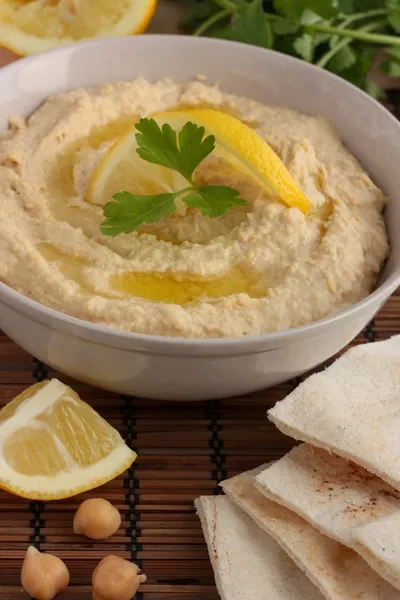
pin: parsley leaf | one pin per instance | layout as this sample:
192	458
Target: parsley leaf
283	27
214	200
290	8
344	59
193	148
393	53
309	17
304	46
181	152
394	20
252	26
128	212
346	6
160	146
156	145
359	71
368	4
374	89
334	34
391	67
295	8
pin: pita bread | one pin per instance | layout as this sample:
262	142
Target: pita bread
338	572
247	563
352	408
343	501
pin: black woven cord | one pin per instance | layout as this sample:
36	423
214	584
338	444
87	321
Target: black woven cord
370	333
132	487
296	381
36	523
219	473
39	372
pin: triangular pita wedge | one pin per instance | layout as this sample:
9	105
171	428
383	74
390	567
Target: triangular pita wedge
338	572
248	564
352	408
343	501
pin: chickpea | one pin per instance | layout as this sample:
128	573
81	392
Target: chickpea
97	519
116	579
43	576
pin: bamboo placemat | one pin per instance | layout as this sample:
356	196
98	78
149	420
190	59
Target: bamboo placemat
184	450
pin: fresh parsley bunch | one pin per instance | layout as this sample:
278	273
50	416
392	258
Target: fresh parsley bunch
346	37
181	151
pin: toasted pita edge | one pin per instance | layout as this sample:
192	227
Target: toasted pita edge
388	573
226	486
365	546
300	436
199	505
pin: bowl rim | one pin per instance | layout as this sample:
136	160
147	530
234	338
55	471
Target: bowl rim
28	306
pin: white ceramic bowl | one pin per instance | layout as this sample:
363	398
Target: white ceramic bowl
181	369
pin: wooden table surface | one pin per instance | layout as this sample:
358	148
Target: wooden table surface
6	57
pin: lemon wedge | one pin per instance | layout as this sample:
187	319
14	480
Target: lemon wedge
54	445
121	169
33	26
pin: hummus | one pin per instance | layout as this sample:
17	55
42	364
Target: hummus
259	268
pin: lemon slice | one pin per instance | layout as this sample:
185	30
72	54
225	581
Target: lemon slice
121	169
53	445
33	26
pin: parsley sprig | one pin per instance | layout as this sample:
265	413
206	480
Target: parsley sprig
346	37
183	152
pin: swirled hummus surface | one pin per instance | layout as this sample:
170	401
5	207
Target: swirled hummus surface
258	268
